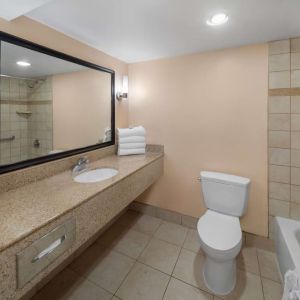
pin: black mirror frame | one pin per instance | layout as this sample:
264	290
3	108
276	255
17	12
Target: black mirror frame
51	157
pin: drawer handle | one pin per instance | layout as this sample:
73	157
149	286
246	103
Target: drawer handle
49	249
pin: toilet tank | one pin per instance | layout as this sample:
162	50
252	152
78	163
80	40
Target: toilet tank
225	193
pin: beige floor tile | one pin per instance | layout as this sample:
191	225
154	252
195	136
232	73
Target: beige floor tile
268	265
132	243
147	224
260	242
113	233
160	255
172	233
104	267
67	285
272	290
129	218
248	287
178	290
192	241
189	269
247	260
143	283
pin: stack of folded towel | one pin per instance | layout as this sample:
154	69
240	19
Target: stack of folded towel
131	140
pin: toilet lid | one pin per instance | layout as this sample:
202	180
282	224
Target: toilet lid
219	231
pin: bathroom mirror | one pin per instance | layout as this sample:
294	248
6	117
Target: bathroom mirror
52	105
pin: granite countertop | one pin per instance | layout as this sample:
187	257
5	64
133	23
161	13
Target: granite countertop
29	208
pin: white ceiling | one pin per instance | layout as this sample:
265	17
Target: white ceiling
138	30
11	9
41	64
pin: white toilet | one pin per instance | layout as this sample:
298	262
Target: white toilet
219	229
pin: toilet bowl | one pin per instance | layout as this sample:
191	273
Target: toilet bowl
221	241
219	228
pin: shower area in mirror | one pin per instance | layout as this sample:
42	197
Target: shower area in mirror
25	118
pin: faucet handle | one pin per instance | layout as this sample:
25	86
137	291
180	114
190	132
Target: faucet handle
83	160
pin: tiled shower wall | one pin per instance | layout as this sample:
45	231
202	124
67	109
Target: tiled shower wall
284	130
26	113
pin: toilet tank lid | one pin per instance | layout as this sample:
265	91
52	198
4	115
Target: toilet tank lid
224	178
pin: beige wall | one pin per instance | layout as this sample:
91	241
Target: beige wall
210	112
81	108
36	32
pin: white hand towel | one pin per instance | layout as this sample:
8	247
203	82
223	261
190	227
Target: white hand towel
132	139
132	146
131	151
135	131
291	286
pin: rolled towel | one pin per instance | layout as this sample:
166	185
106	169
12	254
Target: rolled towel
131	151
132	139
134	131
291	285
132	146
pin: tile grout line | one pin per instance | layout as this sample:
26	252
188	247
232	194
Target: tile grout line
259	270
136	260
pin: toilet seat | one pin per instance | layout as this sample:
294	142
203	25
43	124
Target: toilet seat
220	232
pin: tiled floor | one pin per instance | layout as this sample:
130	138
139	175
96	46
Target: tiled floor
142	257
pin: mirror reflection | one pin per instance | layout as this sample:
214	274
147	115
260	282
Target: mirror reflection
49	105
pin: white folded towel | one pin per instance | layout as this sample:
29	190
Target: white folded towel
291	286
134	131
132	139
131	151
132	146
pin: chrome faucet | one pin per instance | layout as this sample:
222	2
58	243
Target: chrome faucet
81	165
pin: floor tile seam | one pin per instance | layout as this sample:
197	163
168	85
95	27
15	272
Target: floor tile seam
86	278
125	277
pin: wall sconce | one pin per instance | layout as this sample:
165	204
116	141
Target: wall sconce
124	94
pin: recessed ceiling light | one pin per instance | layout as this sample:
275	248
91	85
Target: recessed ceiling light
23	63
217	19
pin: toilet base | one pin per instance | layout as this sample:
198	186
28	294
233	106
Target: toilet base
219	277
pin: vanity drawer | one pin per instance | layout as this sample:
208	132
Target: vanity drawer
44	251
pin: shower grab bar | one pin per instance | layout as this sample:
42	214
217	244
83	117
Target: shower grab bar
11	138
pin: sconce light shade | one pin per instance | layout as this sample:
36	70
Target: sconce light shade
124	94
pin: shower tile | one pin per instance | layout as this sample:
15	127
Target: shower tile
295	104
295	122
295	176
295	78
295	140
279	174
278	47
295	158
280	191
279	80
279	62
295	211
295	44
279	122
279	104
295	60
295	193
279	156
279	208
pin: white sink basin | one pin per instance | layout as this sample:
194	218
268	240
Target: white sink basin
96	175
